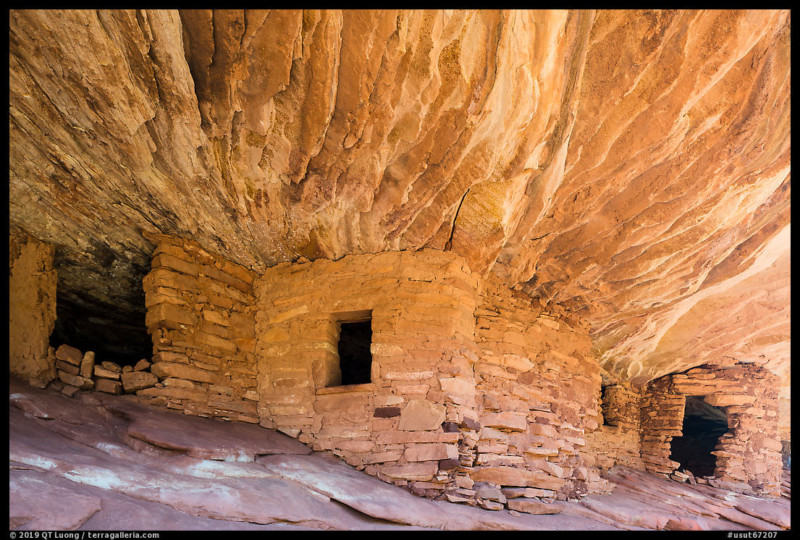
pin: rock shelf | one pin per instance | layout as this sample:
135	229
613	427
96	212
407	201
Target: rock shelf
122	465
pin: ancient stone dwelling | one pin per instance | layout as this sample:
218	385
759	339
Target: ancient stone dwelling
486	256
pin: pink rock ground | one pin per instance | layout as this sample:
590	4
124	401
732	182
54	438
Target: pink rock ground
108	463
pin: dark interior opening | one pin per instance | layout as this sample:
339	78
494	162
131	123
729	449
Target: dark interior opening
116	333
786	454
604	406
703	425
100	305
119	338
355	357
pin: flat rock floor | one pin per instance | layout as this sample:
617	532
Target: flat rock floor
101	462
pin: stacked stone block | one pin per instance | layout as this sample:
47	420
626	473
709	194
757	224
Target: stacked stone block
748	456
405	425
200	315
661	420
138	378
537	379
617	439
78	371
74	369
108	377
476	394
620	406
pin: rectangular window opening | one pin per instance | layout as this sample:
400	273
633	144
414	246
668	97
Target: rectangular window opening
355	356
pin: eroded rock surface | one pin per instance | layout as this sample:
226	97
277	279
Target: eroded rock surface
75	464
31	308
631	166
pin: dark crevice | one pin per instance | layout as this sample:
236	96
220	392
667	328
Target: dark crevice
448	246
605	400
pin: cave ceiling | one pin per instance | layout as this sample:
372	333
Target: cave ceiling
633	167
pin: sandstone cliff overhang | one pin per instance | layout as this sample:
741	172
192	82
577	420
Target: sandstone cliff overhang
631	167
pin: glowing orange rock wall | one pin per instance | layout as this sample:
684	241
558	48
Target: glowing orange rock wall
31	308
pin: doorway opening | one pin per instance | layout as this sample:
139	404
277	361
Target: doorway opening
703	425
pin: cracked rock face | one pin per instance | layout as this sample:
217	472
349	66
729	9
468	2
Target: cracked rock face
631	166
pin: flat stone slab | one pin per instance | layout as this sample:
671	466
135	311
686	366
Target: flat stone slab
373	497
179	483
144	515
103	462
202	437
533	506
778	514
673	505
44	503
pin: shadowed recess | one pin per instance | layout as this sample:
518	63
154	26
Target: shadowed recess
703	425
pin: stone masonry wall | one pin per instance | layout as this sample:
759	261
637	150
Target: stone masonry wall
404	425
32	285
617	439
476	394
661	420
539	386
493	415
748	456
200	316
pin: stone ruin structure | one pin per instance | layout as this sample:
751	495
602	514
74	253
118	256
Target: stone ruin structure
470	394
486	256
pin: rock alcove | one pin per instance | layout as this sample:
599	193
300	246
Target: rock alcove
114	333
566	226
